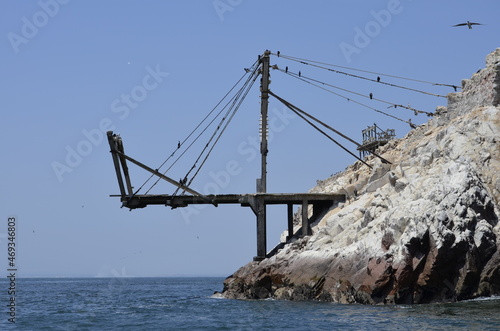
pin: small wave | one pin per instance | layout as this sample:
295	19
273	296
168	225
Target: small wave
404	307
492	298
217	295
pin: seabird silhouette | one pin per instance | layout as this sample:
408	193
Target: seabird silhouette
469	24
413	126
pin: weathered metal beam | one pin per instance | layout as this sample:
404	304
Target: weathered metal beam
123	162
262	182
117	149
264	101
246	200
168	179
113	147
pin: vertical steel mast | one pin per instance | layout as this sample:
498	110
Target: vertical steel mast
264	97
260	205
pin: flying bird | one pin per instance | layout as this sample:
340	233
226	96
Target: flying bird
469	24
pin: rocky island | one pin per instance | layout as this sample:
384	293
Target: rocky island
419	230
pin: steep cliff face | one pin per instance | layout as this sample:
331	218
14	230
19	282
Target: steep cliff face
423	229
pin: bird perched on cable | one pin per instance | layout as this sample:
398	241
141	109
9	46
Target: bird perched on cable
378	78
371	96
286	70
413	126
278	53
299	74
469	24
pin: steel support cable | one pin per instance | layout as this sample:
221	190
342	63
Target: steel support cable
217	105
213	109
356	102
234	102
231	101
189	136
299	113
193	142
303	61
327	126
416	111
375	80
222	131
253	70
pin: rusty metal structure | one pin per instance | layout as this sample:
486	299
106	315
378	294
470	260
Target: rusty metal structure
256	201
373	138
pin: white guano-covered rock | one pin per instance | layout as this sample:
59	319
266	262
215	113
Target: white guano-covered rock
422	229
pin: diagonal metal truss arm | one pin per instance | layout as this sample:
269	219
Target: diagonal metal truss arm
116	145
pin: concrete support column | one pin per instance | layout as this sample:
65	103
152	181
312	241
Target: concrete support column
290	221
261	229
305	219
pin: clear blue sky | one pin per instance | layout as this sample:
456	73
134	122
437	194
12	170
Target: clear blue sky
67	64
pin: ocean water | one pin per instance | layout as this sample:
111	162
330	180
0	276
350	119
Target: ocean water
186	304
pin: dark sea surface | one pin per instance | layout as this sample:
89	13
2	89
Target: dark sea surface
186	304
